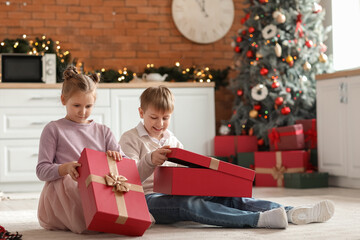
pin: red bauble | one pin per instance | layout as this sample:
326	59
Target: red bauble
260	142
309	43
279	101
247	16
285	110
275	84
238	39
264	71
291	63
250	54
251	29
263	1
243	20
243	32
257	107
240	92
288	90
237	49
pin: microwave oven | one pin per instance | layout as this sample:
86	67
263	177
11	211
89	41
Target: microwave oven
24	68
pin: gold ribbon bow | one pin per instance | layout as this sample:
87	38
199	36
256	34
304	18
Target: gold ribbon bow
118	182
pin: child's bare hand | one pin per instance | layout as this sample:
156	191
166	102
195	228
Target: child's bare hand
158	157
69	168
116	155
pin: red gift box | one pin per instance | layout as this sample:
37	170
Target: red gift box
225	146
204	176
286	138
111	202
310	132
271	166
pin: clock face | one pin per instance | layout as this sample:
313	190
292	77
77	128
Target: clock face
203	21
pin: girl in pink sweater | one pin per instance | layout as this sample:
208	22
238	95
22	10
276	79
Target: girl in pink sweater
61	144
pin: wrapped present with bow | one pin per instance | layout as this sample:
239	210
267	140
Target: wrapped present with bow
200	175
271	166
112	196
286	138
310	132
226	146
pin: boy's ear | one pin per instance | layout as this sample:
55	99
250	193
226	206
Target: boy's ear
141	112
63	100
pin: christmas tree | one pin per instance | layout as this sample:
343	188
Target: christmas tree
278	53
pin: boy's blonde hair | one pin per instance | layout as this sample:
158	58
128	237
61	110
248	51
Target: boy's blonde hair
74	82
161	98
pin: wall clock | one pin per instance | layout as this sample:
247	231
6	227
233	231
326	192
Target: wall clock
203	21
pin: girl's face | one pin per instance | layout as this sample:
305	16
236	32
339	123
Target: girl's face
155	121
79	106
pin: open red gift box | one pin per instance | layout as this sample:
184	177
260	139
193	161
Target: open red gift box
203	176
112	196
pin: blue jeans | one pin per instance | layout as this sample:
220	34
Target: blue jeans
220	211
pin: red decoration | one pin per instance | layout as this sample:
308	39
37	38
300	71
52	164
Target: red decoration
285	110
240	92
264	71
323	47
279	101
275	84
243	32
260	142
309	43
237	49
288	90
291	63
298	26
251	29
257	107
239	39
247	16
250	54
243	20
263	1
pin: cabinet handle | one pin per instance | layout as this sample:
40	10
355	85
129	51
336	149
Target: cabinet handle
44	98
35	155
38	123
343	99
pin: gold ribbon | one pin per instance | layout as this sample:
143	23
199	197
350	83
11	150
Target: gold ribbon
120	187
278	171
214	164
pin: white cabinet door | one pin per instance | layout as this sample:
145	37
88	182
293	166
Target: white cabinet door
353	126
331	127
193	120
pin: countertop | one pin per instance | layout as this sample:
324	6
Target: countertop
111	85
345	73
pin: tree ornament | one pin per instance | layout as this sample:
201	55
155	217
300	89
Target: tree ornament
239	39
307	66
289	58
285	110
251	132
309	43
256	17
281	18
263	1
260	142
323	47
323	57
244	32
275	84
269	31
237	49
251	29
278	50
259	92
303	78
316	8
288	89
275	14
253	113
291	63
250	54
257	107
243	20
279	101
259	55
264	71
240	92
224	130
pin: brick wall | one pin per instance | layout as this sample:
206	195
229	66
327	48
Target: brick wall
114	33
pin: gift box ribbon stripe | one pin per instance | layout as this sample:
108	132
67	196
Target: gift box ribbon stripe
311	134
278	171
214	164
119	187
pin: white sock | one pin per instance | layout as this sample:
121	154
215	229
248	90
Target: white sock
319	212
275	218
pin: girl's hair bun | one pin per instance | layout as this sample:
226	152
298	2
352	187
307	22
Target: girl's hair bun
70	72
95	77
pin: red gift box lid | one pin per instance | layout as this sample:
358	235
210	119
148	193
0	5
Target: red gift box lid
195	160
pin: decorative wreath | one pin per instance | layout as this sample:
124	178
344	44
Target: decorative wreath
269	31
259	92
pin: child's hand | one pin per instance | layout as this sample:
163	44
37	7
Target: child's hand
116	155
158	157
69	168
